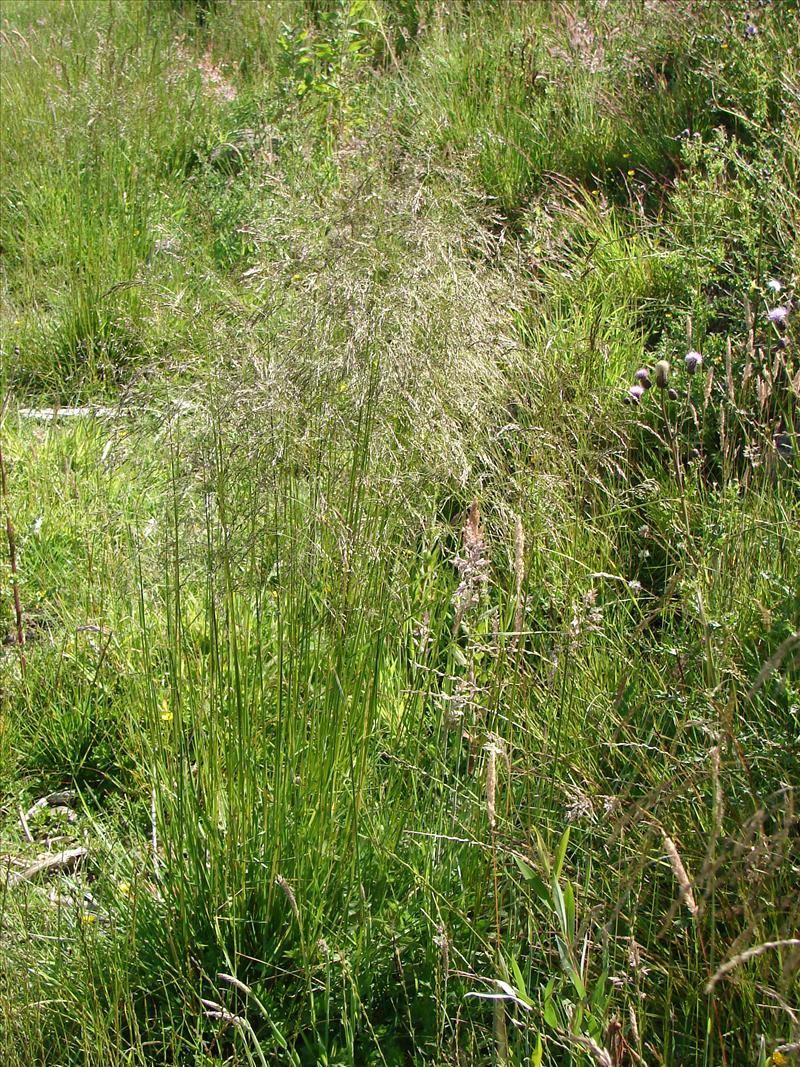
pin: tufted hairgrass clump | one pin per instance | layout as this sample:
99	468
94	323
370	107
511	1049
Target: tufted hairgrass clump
399	651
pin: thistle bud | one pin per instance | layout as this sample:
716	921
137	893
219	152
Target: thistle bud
693	361
642	377
662	373
672	394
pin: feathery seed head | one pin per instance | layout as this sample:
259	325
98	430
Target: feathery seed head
662	373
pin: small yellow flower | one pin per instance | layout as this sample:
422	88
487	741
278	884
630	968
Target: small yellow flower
595	192
724	44
626	155
88	918
124	888
167	716
778	1059
631	173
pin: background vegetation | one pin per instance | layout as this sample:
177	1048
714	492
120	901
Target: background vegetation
393	677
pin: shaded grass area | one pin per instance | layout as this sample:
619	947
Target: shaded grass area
416	698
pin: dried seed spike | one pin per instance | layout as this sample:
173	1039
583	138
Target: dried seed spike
443	943
491	784
615	1042
747	371
748	316
519	578
749	954
212	1005
715	778
289	894
588	1044
229	979
519	553
473	534
707	389
227	1017
681	877
473	569
634	1025
729	371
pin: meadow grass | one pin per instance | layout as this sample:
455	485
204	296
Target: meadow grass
413	690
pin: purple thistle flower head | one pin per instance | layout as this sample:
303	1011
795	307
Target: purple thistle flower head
693	361
750	30
778	315
635	394
642	377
